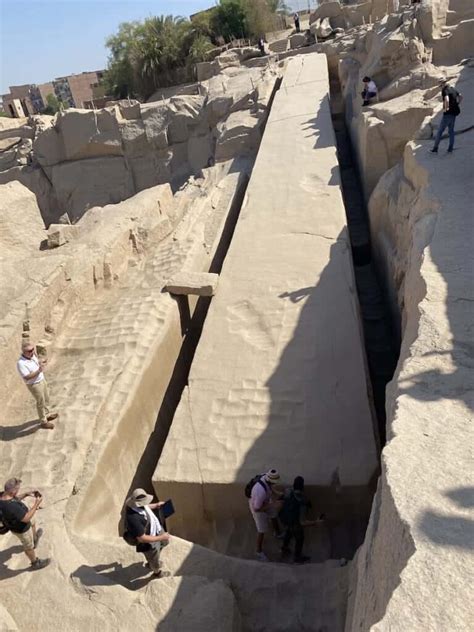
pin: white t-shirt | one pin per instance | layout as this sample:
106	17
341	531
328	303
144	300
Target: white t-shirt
260	494
371	87
26	366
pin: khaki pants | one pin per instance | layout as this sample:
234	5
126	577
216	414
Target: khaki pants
41	394
27	540
153	557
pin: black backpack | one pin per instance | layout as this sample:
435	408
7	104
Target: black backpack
291	510
4	528
453	96
130	539
256	479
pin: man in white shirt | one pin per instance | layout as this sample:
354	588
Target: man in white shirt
264	507
31	371
369	91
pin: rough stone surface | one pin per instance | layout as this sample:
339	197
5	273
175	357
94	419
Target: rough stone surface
197	283
104	156
271	313
113	336
416	562
60	234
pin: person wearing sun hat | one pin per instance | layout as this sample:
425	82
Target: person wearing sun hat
143	525
32	372
264	507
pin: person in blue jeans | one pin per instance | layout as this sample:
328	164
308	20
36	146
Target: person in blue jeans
451	101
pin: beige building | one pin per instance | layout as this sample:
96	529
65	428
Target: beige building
82	86
73	90
45	89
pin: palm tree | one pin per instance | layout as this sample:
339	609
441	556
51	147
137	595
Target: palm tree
160	47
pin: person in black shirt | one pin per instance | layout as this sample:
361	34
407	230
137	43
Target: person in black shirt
293	518
296	20
451	101
144	527
16	515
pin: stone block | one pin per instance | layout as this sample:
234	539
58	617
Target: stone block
297	40
60	234
196	283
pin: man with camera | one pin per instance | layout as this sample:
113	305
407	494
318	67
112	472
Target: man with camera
19	519
31	370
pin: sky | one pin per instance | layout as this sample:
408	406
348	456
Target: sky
44	39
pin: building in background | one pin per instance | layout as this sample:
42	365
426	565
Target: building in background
81	86
75	91
45	89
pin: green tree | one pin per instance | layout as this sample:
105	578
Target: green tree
119	76
162	45
54	105
278	6
229	20
199	49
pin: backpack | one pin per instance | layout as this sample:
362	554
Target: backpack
130	539
4	528
453	96
291	510
253	481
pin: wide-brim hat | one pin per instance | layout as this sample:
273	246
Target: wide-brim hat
272	476
138	498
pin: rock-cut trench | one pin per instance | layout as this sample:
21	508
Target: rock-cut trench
344	534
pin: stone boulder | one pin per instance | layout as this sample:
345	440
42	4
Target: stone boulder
454	44
89	133
155	118
81	184
297	40
327	9
238	134
21	224
34	179
322	28
60	234
383	131
185	117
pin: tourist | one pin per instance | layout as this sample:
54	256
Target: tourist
19	519
293	518
369	91
31	370
264	504
296	19
261	45
451	101
144	526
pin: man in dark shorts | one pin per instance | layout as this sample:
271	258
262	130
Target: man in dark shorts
144	526
293	518
19	518
451	101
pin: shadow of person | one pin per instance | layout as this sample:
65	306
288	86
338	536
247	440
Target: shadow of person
10	433
131	577
462	496
453	530
5	572
297	295
448	530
